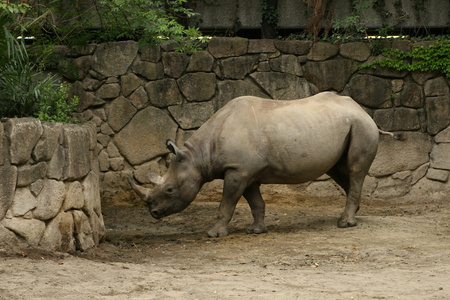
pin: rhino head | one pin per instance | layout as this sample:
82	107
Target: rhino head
176	189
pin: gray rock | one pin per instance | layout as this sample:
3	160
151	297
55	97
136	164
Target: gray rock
358	51
91	191
91	84
261	46
282	86
395	156
120	113
143	138
28	174
396	185
78	69
412	95
163	93
8	241
192	115
98	228
153	166
437	175
49	141
438	113
293	47
139	98
419	173
198	86
436	87
225	47
23	202
287	63
238	67
36	187
397	119
322	51
440	156
106	129
49	200
108	91
103	161
443	136
8	175
86	99
174	63
82	231
331	74
149	70
116	163
121	53
77	143
200	61
74	197
420	77
129	83
23	135
112	150
30	229
150	53
370	91
58	235
230	89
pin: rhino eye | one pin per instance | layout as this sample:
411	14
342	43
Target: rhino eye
170	190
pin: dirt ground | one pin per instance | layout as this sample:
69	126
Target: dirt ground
399	250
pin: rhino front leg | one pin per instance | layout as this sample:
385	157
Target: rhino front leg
253	196
233	189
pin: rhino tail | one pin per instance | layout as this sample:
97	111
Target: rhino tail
396	136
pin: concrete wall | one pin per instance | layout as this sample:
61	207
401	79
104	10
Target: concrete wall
139	97
49	186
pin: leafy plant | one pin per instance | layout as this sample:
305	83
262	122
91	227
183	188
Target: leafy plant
424	58
54	105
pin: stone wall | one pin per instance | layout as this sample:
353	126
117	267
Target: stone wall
49	187
139	97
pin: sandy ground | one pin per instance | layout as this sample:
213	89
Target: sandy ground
399	250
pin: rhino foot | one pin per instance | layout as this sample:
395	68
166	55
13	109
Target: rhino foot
345	223
257	229
218	232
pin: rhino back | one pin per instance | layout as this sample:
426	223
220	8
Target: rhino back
281	141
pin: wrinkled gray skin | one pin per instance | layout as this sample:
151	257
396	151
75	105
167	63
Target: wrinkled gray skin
253	141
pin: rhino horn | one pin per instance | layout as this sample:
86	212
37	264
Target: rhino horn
140	191
155	179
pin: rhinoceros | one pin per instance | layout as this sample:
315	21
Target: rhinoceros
253	141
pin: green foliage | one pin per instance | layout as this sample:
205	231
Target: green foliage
269	13
54	105
424	58
353	26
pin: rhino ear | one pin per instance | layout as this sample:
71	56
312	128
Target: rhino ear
155	179
174	149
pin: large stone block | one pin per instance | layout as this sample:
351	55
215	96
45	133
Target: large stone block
163	93
49	141
58	235
395	156
143	138
436	87
198	86
331	74
91	192
55	171
139	98
230	89
192	115
86	99
396	185
443	136
23	202
200	61
30	229
82	231
8	175
28	174
150	53
226	47
108	91
261	46
440	156
114	59
149	70
282	86
359	51
238	67
129	83
412	95
286	64
174	63
74	196
23	135
49	200
77	141
438	113
370	91
293	47
397	119
8	240
322	51
120	113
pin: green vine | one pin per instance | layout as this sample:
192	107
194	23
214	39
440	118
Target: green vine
269	13
424	58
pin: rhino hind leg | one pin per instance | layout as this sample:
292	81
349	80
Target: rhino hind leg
253	196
